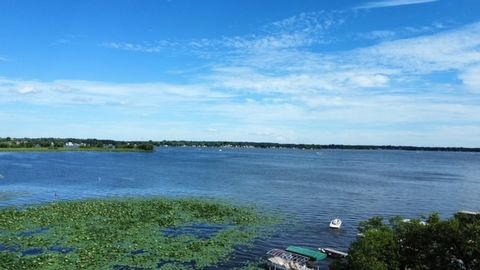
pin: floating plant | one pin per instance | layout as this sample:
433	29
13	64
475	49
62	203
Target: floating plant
126	234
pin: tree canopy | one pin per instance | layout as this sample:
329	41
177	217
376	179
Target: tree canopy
415	244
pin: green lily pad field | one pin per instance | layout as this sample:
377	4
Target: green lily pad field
127	234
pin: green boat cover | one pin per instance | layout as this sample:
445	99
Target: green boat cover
314	255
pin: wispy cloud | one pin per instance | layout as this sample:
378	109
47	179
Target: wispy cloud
471	78
392	3
155	47
378	34
449	50
70	92
403	32
3	59
27	90
275	86
302	30
293	73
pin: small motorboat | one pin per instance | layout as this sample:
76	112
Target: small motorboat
333	253
335	223
421	222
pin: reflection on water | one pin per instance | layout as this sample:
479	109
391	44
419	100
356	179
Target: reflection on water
309	188
12	195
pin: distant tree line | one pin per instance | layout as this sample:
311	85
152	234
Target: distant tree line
149	145
309	146
82	143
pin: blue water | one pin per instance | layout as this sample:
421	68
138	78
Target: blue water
308	187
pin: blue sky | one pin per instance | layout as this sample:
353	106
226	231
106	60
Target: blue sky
402	72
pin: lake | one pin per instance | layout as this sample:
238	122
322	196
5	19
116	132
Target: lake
308	188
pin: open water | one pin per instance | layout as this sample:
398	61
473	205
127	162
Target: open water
308	187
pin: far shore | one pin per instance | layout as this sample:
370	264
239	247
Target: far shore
66	149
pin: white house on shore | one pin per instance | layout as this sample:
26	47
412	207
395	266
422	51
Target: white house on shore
72	145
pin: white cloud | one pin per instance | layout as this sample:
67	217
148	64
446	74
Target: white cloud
396	64
27	89
297	31
272	87
378	34
471	78
101	93
448	50
403	32
269	41
277	59
251	80
392	3
295	116
3	59
369	80
147	48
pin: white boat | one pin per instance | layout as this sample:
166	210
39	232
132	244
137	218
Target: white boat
335	223
333	253
277	263
421	222
284	260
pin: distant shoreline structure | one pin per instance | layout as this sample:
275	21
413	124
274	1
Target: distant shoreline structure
10	144
226	144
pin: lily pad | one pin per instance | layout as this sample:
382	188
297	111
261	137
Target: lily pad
127	234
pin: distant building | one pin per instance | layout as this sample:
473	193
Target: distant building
72	145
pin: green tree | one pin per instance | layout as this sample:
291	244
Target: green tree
376	250
146	147
435	244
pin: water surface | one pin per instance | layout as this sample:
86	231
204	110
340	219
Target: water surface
308	187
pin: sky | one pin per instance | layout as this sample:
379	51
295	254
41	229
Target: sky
390	72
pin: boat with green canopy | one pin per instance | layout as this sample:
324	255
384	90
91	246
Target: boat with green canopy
312	254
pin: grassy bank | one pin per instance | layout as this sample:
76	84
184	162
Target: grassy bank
111	234
64	149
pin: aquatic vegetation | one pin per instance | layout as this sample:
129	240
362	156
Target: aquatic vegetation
5	196
126	234
10	195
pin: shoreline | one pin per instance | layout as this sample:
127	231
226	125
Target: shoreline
269	145
63	149
9	144
459	150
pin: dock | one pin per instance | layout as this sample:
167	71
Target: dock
465	212
312	254
285	260
333	253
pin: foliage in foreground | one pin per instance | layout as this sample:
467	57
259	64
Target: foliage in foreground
108	234
436	244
